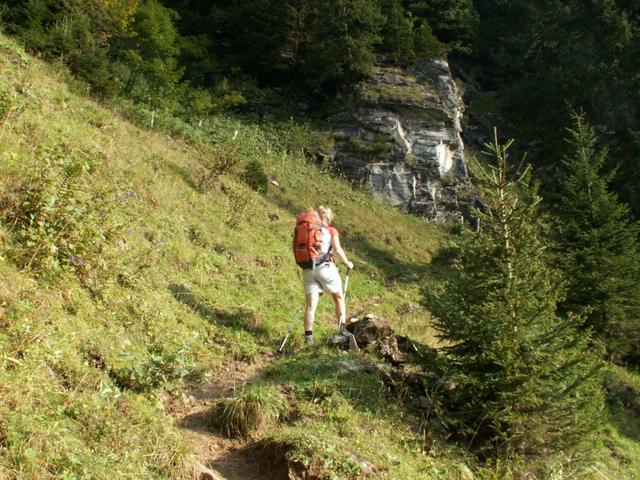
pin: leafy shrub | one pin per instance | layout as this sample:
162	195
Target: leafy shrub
239	203
247	410
295	137
220	160
146	117
255	176
227	96
8	102
56	223
154	368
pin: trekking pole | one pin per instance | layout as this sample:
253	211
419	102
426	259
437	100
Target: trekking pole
290	329
344	299
352	339
346	285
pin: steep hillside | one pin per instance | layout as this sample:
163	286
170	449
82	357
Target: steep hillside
132	280
144	287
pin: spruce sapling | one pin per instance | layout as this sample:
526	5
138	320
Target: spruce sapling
528	383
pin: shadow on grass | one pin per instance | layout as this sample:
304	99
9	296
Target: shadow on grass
239	319
385	263
243	462
625	422
437	275
623	400
317	374
182	173
235	462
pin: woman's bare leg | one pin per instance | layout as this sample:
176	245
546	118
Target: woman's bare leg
310	311
341	312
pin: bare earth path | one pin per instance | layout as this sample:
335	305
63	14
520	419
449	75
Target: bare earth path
232	459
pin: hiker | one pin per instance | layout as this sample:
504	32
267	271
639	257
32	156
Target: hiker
320	272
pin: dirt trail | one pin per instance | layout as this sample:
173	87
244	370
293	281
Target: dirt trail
232	459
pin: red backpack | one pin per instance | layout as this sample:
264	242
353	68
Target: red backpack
308	239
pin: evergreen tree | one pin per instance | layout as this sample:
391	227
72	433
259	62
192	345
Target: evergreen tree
76	32
452	21
397	33
527	379
598	246
343	47
150	56
123	47
546	59
197	50
321	45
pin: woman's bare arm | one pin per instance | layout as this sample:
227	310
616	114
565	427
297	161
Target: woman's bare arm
337	248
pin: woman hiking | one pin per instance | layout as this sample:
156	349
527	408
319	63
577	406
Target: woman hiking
314	253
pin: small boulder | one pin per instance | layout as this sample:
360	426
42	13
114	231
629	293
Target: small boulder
465	472
200	472
369	330
338	341
372	330
390	351
366	467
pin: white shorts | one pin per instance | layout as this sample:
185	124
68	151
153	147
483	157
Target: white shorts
323	278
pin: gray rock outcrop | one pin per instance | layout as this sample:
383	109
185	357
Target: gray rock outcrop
401	135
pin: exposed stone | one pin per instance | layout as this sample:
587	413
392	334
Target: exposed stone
200	472
437	425
366	467
401	134
370	330
347	366
389	349
338	341
465	472
425	403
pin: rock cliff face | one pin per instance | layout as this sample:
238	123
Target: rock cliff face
400	134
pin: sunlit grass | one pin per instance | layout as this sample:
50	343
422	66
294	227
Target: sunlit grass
84	361
181	290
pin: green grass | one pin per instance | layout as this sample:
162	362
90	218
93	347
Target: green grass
249	410
410	92
189	277
179	279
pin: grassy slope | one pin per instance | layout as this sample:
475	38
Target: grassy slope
83	362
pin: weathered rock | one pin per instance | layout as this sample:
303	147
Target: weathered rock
338	341
348	366
369	330
389	349
401	134
366	467
372	330
200	472
465	472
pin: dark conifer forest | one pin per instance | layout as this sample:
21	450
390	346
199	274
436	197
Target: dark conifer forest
538	61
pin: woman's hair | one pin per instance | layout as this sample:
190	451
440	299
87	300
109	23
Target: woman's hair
325	213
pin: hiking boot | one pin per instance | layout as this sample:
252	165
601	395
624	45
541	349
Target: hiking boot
308	339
